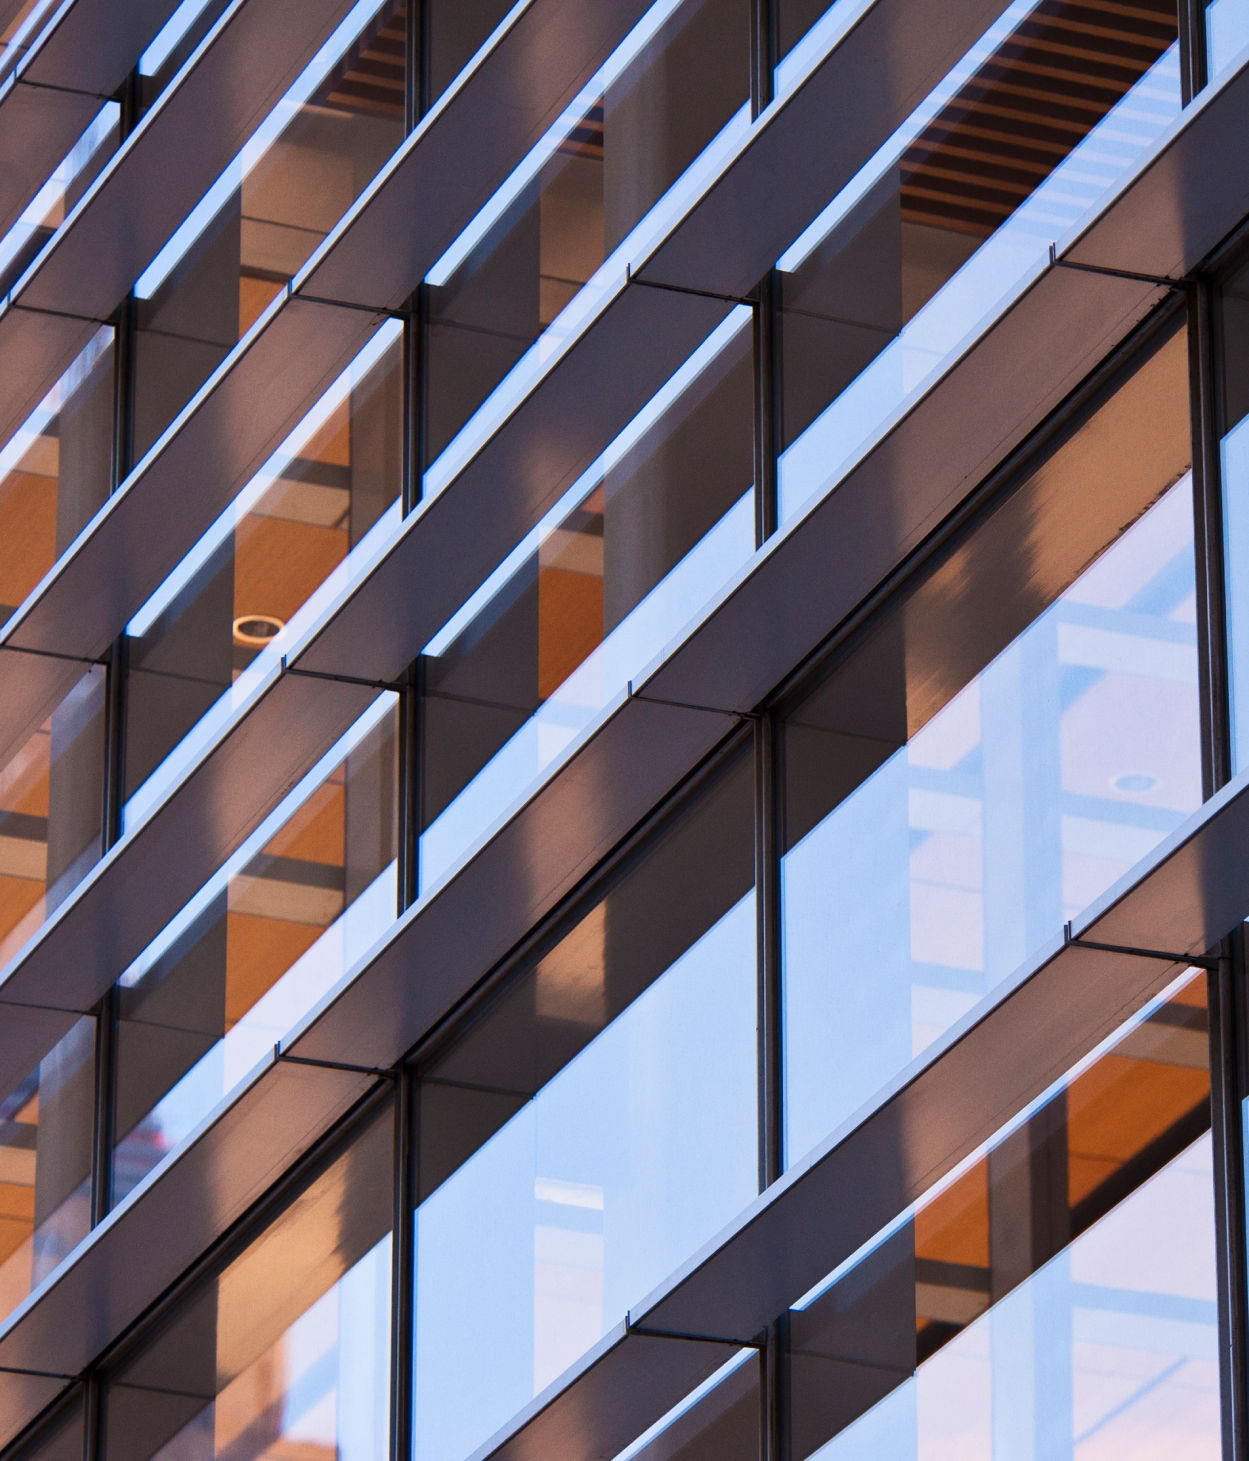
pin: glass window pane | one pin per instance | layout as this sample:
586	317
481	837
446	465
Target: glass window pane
287	1352
47	1127
921	246
306	164
51	805
592	1129
609	577
289	531
308	893
998	747
1057	1298
1227	33
1235	464
55	471
668	90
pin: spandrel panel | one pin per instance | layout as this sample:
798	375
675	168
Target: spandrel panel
720	1421
305	165
308	894
1001	745
47	1127
613	573
668	90
1057	1298
592	1129
51	803
173	44
48	209
286	1352
237	596
55	471
455	30
922	247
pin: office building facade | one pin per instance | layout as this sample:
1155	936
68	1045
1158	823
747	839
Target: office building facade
624	681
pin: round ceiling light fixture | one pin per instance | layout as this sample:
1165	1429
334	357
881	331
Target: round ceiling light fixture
256	630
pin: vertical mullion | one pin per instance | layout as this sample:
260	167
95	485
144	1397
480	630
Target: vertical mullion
403	1230
768	950
767	347
1192	24
1224	986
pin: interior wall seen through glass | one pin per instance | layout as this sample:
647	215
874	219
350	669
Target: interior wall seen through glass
1057	1299
592	1129
286	1352
995	751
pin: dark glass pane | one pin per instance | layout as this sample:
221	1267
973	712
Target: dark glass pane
957	210
282	924
489	301
455	31
305	165
281	539
614	572
55	471
1057	1298
47	1129
286	1352
1003	742
592	1128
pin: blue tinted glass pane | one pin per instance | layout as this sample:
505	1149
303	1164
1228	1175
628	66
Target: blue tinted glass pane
960	841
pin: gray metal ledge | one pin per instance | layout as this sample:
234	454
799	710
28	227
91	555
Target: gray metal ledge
82	56
196	127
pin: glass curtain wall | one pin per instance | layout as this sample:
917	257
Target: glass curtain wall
990	754
1057	1298
671	87
1050	107
613	572
591	1129
286	1352
274	931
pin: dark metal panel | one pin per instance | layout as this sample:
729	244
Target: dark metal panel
29	1034
22	1397
1003	387
611	1395
154	1235
1190	191
866	88
196	127
454	541
94	44
391	239
38	127
139	886
189	477
33	685
446	943
34	350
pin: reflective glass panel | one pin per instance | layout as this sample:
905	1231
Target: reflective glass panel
1227	33
286	535
21	23
1235	465
51	805
55	471
287	1352
1056	1299
47	1126
614	572
999	747
591	1129
47	210
305	165
1049	108
666	92
720	1421
283	921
